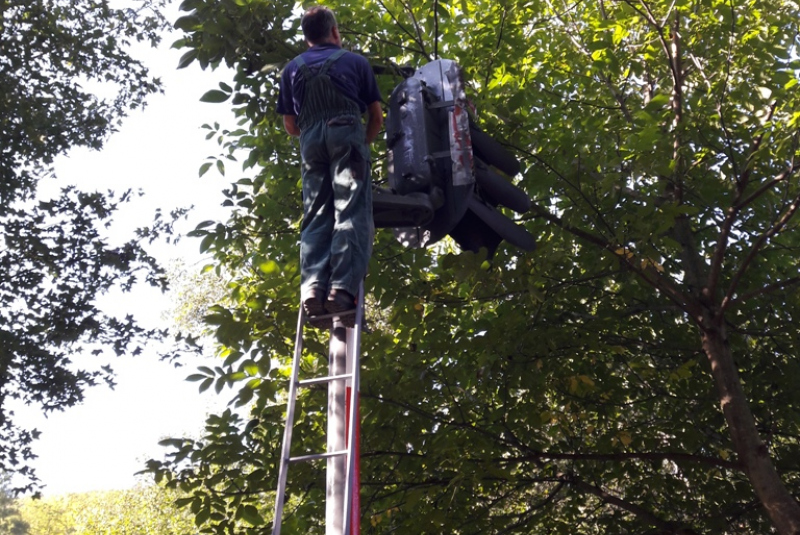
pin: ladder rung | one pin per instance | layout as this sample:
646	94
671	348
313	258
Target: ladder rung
315	456
327	379
334	315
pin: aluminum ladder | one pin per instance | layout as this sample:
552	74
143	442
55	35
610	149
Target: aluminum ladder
341	485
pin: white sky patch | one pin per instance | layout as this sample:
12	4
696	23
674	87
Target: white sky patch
102	443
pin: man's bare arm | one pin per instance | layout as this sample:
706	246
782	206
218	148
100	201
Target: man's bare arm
290	124
374	121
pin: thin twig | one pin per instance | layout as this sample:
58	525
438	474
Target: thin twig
733	212
622	457
663	525
436	29
416	38
757	246
420	40
765	290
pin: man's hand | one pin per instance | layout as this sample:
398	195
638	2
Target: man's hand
290	124
374	121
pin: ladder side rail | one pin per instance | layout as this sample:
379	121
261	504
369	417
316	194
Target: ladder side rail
350	483
336	467
287	433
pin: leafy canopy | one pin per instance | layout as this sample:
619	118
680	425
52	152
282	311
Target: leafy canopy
629	375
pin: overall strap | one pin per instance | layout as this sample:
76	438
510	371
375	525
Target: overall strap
322	100
331	60
303	67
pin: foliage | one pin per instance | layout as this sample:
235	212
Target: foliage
50	49
67	78
141	510
10	521
192	295
635	374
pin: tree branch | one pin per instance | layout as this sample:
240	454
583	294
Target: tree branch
622	457
664	526
757	246
615	92
538	456
436	29
387	42
490	65
527	515
742	181
416	38
646	269
768	185
648	15
765	290
417	29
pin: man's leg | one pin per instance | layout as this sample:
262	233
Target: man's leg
318	214
353	228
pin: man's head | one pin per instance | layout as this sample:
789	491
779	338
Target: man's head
319	26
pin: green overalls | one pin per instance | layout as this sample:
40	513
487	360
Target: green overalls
337	232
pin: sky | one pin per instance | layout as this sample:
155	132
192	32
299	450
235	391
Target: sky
100	444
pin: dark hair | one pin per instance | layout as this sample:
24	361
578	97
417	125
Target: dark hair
317	23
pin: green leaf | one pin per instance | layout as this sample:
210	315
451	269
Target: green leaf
250	367
220	384
204	168
187	23
187	59
201	516
207	242
251	515
215	96
206	384
244	397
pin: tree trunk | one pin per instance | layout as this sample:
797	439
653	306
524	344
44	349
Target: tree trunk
782	508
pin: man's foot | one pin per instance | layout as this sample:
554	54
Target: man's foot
339	302
313	306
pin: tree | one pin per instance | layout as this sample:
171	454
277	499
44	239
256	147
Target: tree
67	79
143	509
10	521
192	294
633	375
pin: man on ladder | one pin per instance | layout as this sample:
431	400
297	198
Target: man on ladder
324	93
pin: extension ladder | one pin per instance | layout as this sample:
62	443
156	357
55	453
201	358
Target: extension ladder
341	502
